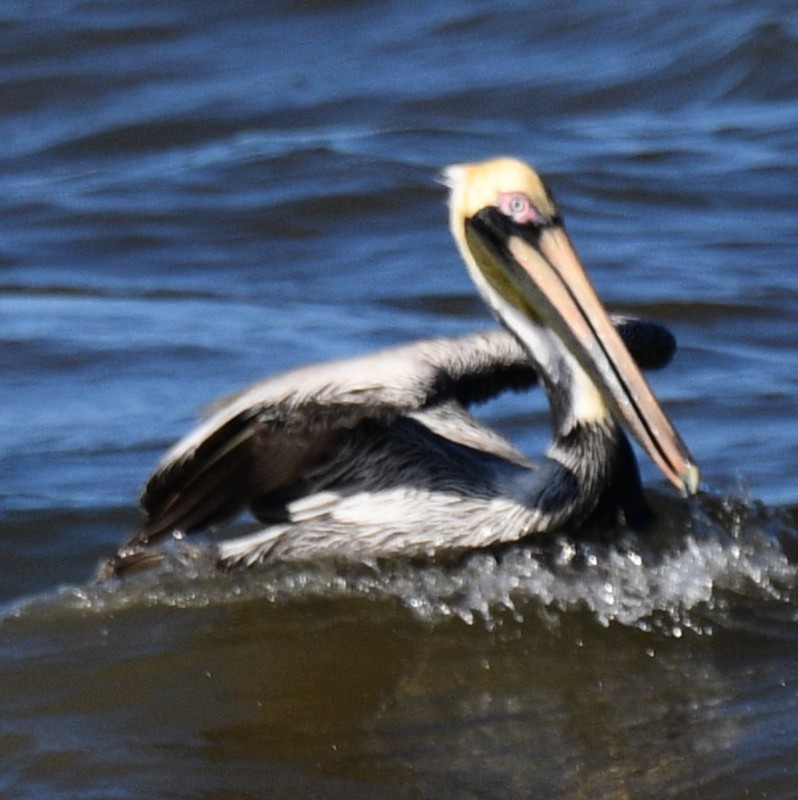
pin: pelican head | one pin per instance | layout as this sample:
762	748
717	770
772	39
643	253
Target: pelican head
511	237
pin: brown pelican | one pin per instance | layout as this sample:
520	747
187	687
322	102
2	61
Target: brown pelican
378	456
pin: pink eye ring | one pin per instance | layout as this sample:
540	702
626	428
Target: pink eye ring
518	207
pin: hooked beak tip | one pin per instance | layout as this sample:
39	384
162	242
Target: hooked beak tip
691	478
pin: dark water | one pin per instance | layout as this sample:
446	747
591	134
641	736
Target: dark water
193	195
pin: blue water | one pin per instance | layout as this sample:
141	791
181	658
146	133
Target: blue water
194	195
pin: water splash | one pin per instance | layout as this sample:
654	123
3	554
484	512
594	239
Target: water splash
713	563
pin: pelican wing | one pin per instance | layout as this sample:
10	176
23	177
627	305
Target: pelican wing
261	441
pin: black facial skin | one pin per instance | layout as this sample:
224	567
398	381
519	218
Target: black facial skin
497	227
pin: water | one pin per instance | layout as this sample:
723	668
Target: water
194	195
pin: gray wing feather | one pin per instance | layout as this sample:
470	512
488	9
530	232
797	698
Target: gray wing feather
261	440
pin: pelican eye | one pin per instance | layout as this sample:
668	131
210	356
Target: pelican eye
519	208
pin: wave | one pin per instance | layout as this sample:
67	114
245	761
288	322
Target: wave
715	562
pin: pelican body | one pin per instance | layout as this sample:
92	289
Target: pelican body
379	456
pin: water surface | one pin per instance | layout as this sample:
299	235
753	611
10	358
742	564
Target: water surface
194	195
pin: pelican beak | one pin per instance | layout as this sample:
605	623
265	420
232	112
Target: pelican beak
531	268
569	305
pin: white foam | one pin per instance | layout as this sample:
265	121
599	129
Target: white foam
696	571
